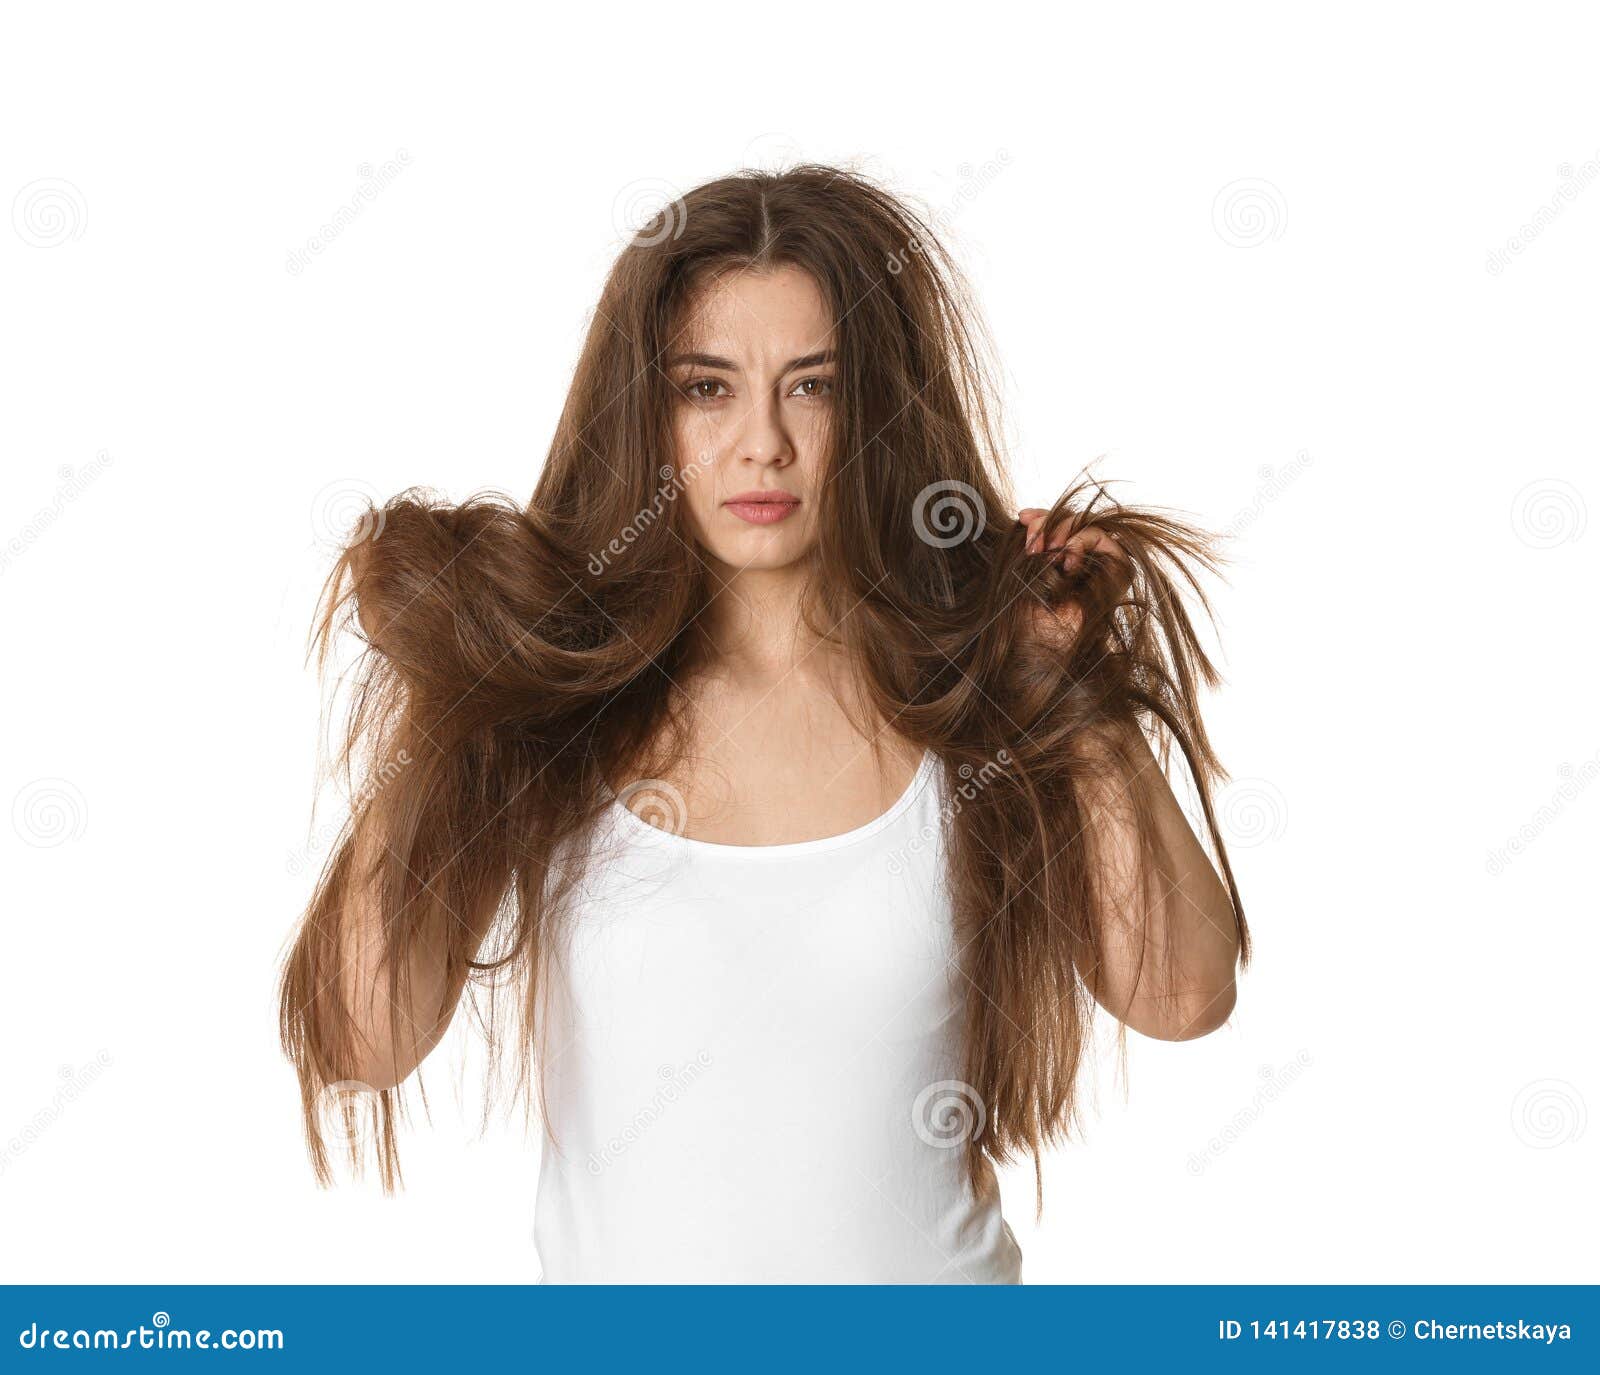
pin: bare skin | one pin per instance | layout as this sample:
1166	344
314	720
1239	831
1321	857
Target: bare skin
387	1053
775	757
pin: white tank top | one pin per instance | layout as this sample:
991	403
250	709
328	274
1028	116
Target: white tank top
752	1064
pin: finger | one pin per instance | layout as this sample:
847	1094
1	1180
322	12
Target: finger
1036	534
1073	543
1094	539
1107	547
1084	542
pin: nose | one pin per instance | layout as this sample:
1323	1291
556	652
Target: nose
762	438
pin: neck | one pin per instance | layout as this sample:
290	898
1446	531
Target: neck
753	626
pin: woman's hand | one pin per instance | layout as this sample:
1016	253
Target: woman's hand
1063	622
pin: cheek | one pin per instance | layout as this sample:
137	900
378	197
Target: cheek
694	458
816	447
696	436
697	494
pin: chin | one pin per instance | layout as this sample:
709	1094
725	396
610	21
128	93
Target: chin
758	549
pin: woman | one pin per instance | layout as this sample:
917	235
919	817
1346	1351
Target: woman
799	789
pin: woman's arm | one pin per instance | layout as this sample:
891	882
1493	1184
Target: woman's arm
444	597
1166	940
370	986
393	1026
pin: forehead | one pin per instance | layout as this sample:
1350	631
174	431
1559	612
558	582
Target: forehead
757	316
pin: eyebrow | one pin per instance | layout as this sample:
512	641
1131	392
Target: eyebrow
711	360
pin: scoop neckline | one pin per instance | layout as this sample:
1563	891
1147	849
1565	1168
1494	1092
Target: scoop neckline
719	849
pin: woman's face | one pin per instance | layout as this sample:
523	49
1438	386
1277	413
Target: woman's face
753	377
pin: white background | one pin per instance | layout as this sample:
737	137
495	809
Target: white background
1408	630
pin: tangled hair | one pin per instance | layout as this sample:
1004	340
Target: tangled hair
520	661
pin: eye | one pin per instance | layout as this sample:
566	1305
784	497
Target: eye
824	386
693	389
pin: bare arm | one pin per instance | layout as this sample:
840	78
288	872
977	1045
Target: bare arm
393	1028
386	1025
1168	941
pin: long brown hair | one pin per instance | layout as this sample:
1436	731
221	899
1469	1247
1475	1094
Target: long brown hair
523	659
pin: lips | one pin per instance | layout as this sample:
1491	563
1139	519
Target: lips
763	507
